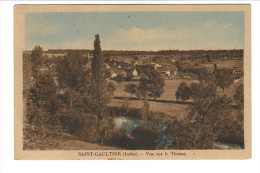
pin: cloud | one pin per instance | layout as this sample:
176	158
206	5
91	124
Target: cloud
208	35
202	35
42	29
154	34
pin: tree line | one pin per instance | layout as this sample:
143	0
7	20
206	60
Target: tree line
77	103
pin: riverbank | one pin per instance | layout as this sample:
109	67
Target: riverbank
53	140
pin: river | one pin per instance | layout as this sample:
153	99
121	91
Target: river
129	124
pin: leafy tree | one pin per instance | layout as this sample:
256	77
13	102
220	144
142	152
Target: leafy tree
209	117
203	60
153	83
183	92
141	94
136	58
36	60
239	100
145	138
204	125
42	100
130	88
129	77
100	91
71	75
120	78
156	58
203	91
145	110
205	76
208	58
178	65
239	96
223	80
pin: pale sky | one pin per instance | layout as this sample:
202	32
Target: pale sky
136	30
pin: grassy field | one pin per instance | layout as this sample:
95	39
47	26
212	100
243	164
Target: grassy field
231	90
170	88
220	64
226	64
172	109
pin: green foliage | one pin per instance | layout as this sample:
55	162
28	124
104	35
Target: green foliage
70	71
207	122
153	83
98	70
142	94
129	76
125	105
40	138
120	78
130	88
42	101
203	91
120	139
100	92
183	92
121	111
189	135
209	59
205	76
86	126
36	60
80	124
145	138
223	80
73	79
156	58
136	58
159	117
208	117
145	110
239	96
233	133
178	65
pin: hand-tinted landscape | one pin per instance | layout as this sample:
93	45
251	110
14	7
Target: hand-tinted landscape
162	80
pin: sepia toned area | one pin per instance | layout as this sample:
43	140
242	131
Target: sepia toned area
171	84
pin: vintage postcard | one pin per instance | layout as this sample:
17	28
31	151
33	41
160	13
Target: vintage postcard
132	82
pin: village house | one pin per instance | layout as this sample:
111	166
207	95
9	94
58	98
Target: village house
107	66
135	73
164	71
121	72
238	71
112	73
134	63
155	65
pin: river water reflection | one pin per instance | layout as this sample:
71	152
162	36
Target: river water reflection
129	124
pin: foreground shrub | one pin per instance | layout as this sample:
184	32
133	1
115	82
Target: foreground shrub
120	111
233	133
189	135
192	135
145	138
119	139
80	124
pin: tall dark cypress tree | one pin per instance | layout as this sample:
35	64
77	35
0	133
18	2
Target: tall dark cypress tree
100	91
98	78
